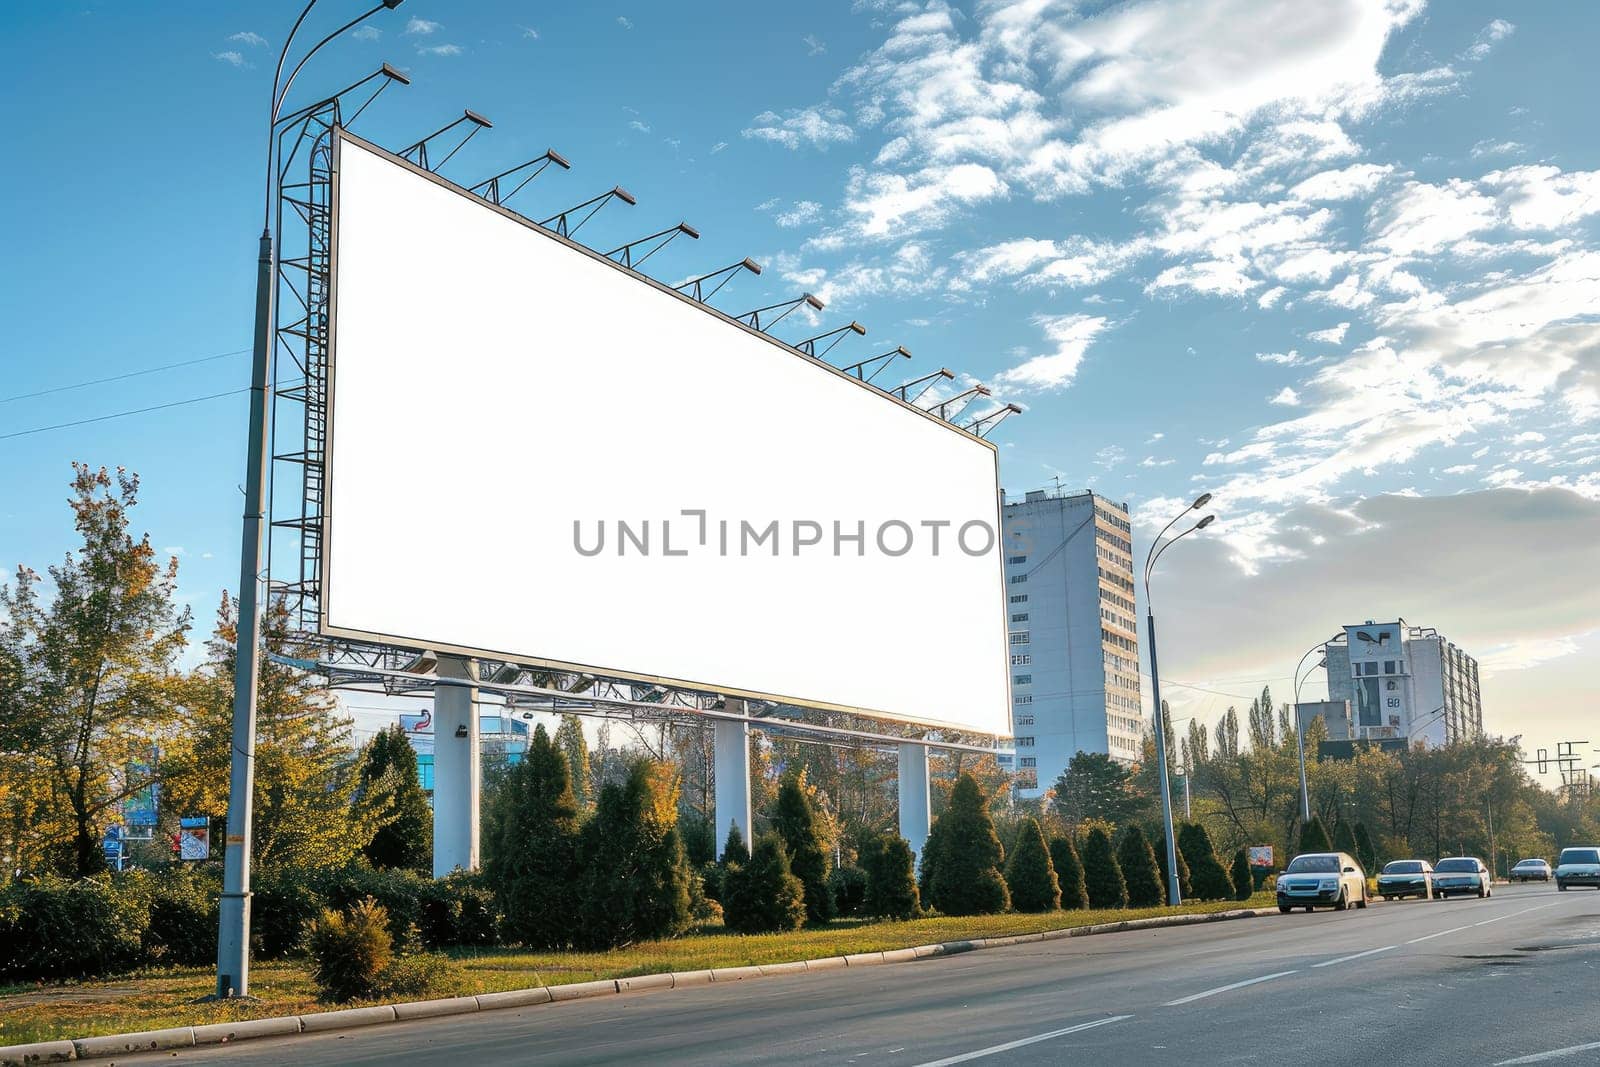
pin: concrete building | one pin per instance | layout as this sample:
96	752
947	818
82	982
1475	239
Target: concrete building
1405	683
1074	638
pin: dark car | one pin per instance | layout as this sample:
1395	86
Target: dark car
1459	875
1406	878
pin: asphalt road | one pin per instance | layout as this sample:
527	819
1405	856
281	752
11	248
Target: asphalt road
1416	982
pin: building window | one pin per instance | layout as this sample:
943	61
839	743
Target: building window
1025	698
1022	679
1020	618
1018	579
1019	598
1022	660
1020	637
1370	668
1024	742
1024	720
1388	666
1016	559
1028	761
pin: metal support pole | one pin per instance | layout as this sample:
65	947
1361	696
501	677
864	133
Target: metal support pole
730	741
1300	748
457	769
915	805
1174	895
1187	817
233	913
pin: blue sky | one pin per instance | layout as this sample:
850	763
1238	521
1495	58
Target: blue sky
1336	263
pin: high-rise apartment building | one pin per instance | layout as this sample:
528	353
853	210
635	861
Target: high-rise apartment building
1404	682
1074	639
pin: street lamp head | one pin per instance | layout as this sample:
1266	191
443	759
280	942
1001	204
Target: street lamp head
474	117
392	4
1200	501
687	230
813	302
859	329
751	265
1207	521
393	75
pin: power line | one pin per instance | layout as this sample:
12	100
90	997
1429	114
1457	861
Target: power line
124	414
122	377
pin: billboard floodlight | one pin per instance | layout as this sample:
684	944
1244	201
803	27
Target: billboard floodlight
287	124
489	188
981	426
418	152
833	337
563	219
921	385
783	307
958	403
625	255
393	75
860	369
697	288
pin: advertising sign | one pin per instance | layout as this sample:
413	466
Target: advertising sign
194	837
1261	855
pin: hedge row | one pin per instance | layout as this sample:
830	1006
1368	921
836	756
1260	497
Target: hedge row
169	917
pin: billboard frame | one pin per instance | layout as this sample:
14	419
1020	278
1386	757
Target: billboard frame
326	519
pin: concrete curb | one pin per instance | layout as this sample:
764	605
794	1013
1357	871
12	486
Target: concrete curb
322	1022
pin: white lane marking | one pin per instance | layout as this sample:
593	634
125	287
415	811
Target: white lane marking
1357	956
1553	1054
1009	1045
1191	998
1441	933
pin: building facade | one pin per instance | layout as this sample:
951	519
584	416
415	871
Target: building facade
1405	683
1074	639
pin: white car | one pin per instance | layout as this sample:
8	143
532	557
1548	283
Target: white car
1461	874
1322	879
1531	871
1578	866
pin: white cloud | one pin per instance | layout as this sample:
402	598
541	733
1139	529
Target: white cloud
1333	335
247	37
719	146
367	33
625	22
441	50
803	212
1286	397
897	204
416	27
233	59
529	33
1425	219
814	126
1220	277
1271	297
1071	335
814	46
1542	197
638	125
1491	35
1347	183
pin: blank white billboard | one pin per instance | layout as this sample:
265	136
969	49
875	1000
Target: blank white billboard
538	456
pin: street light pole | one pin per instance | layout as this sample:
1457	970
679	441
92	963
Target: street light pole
1174	894
233	912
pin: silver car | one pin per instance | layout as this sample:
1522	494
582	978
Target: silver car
1322	879
1531	871
1406	878
1578	866
1459	875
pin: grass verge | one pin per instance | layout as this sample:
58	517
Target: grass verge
152	1000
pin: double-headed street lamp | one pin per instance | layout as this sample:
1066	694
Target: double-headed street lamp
1157	547
233	919
1299	727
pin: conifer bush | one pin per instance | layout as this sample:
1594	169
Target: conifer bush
1314	836
1138	865
1030	875
532	848
891	883
1211	881
350	950
1159	847
1366	851
1344	838
1102	877
1243	880
734	850
763	895
633	876
966	875
794	819
1069	873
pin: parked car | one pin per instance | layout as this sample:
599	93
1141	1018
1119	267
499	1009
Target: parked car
1531	871
1457	875
1322	879
1578	866
1406	878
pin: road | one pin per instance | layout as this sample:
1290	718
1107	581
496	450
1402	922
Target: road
1420	982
